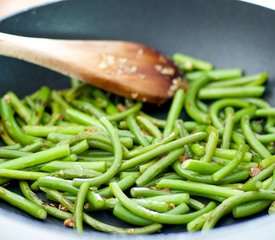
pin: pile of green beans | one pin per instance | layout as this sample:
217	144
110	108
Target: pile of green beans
77	151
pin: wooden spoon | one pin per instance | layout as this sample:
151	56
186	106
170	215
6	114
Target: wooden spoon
128	69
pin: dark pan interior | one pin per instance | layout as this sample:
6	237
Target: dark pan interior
227	33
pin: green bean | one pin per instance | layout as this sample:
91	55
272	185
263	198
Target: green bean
45	118
75	172
134	174
250	208
196	177
58	137
22	203
112	171
145	166
43	131
183	133
96	154
40	104
74	92
192	76
188	63
59	100
162	149
66	185
61	165
158	206
100	226
127	142
190	102
195	204
226	170
254	207
94	136
156	217
4	181
82	118
100	96
5	136
213	138
197	187
257	146
265	173
88	108
111	109
124	184
11	154
197	149
174	111
231	92
10	124
19	107
19	174
200	167
125	215
227	205
202	106
154	181
245	111
19	121
265	112
180	209
16	146
230	153
79	204
267	161
171	198
242	165
28	101
261	103
82	158
146	192
271	130
30	195
36	146
80	147
251	186
224	74
218	105
135	152
198	222
37	158
257	126
253	80
56	115
159	166
228	127
100	145
70	158
133	126
149	126
271	209
122	115
220	152
266	138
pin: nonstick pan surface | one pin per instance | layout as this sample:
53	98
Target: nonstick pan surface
227	33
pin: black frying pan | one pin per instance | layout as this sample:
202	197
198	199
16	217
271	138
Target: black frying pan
228	33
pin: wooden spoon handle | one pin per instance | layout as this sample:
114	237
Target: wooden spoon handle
41	51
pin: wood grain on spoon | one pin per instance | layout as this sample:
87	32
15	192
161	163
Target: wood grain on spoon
128	69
